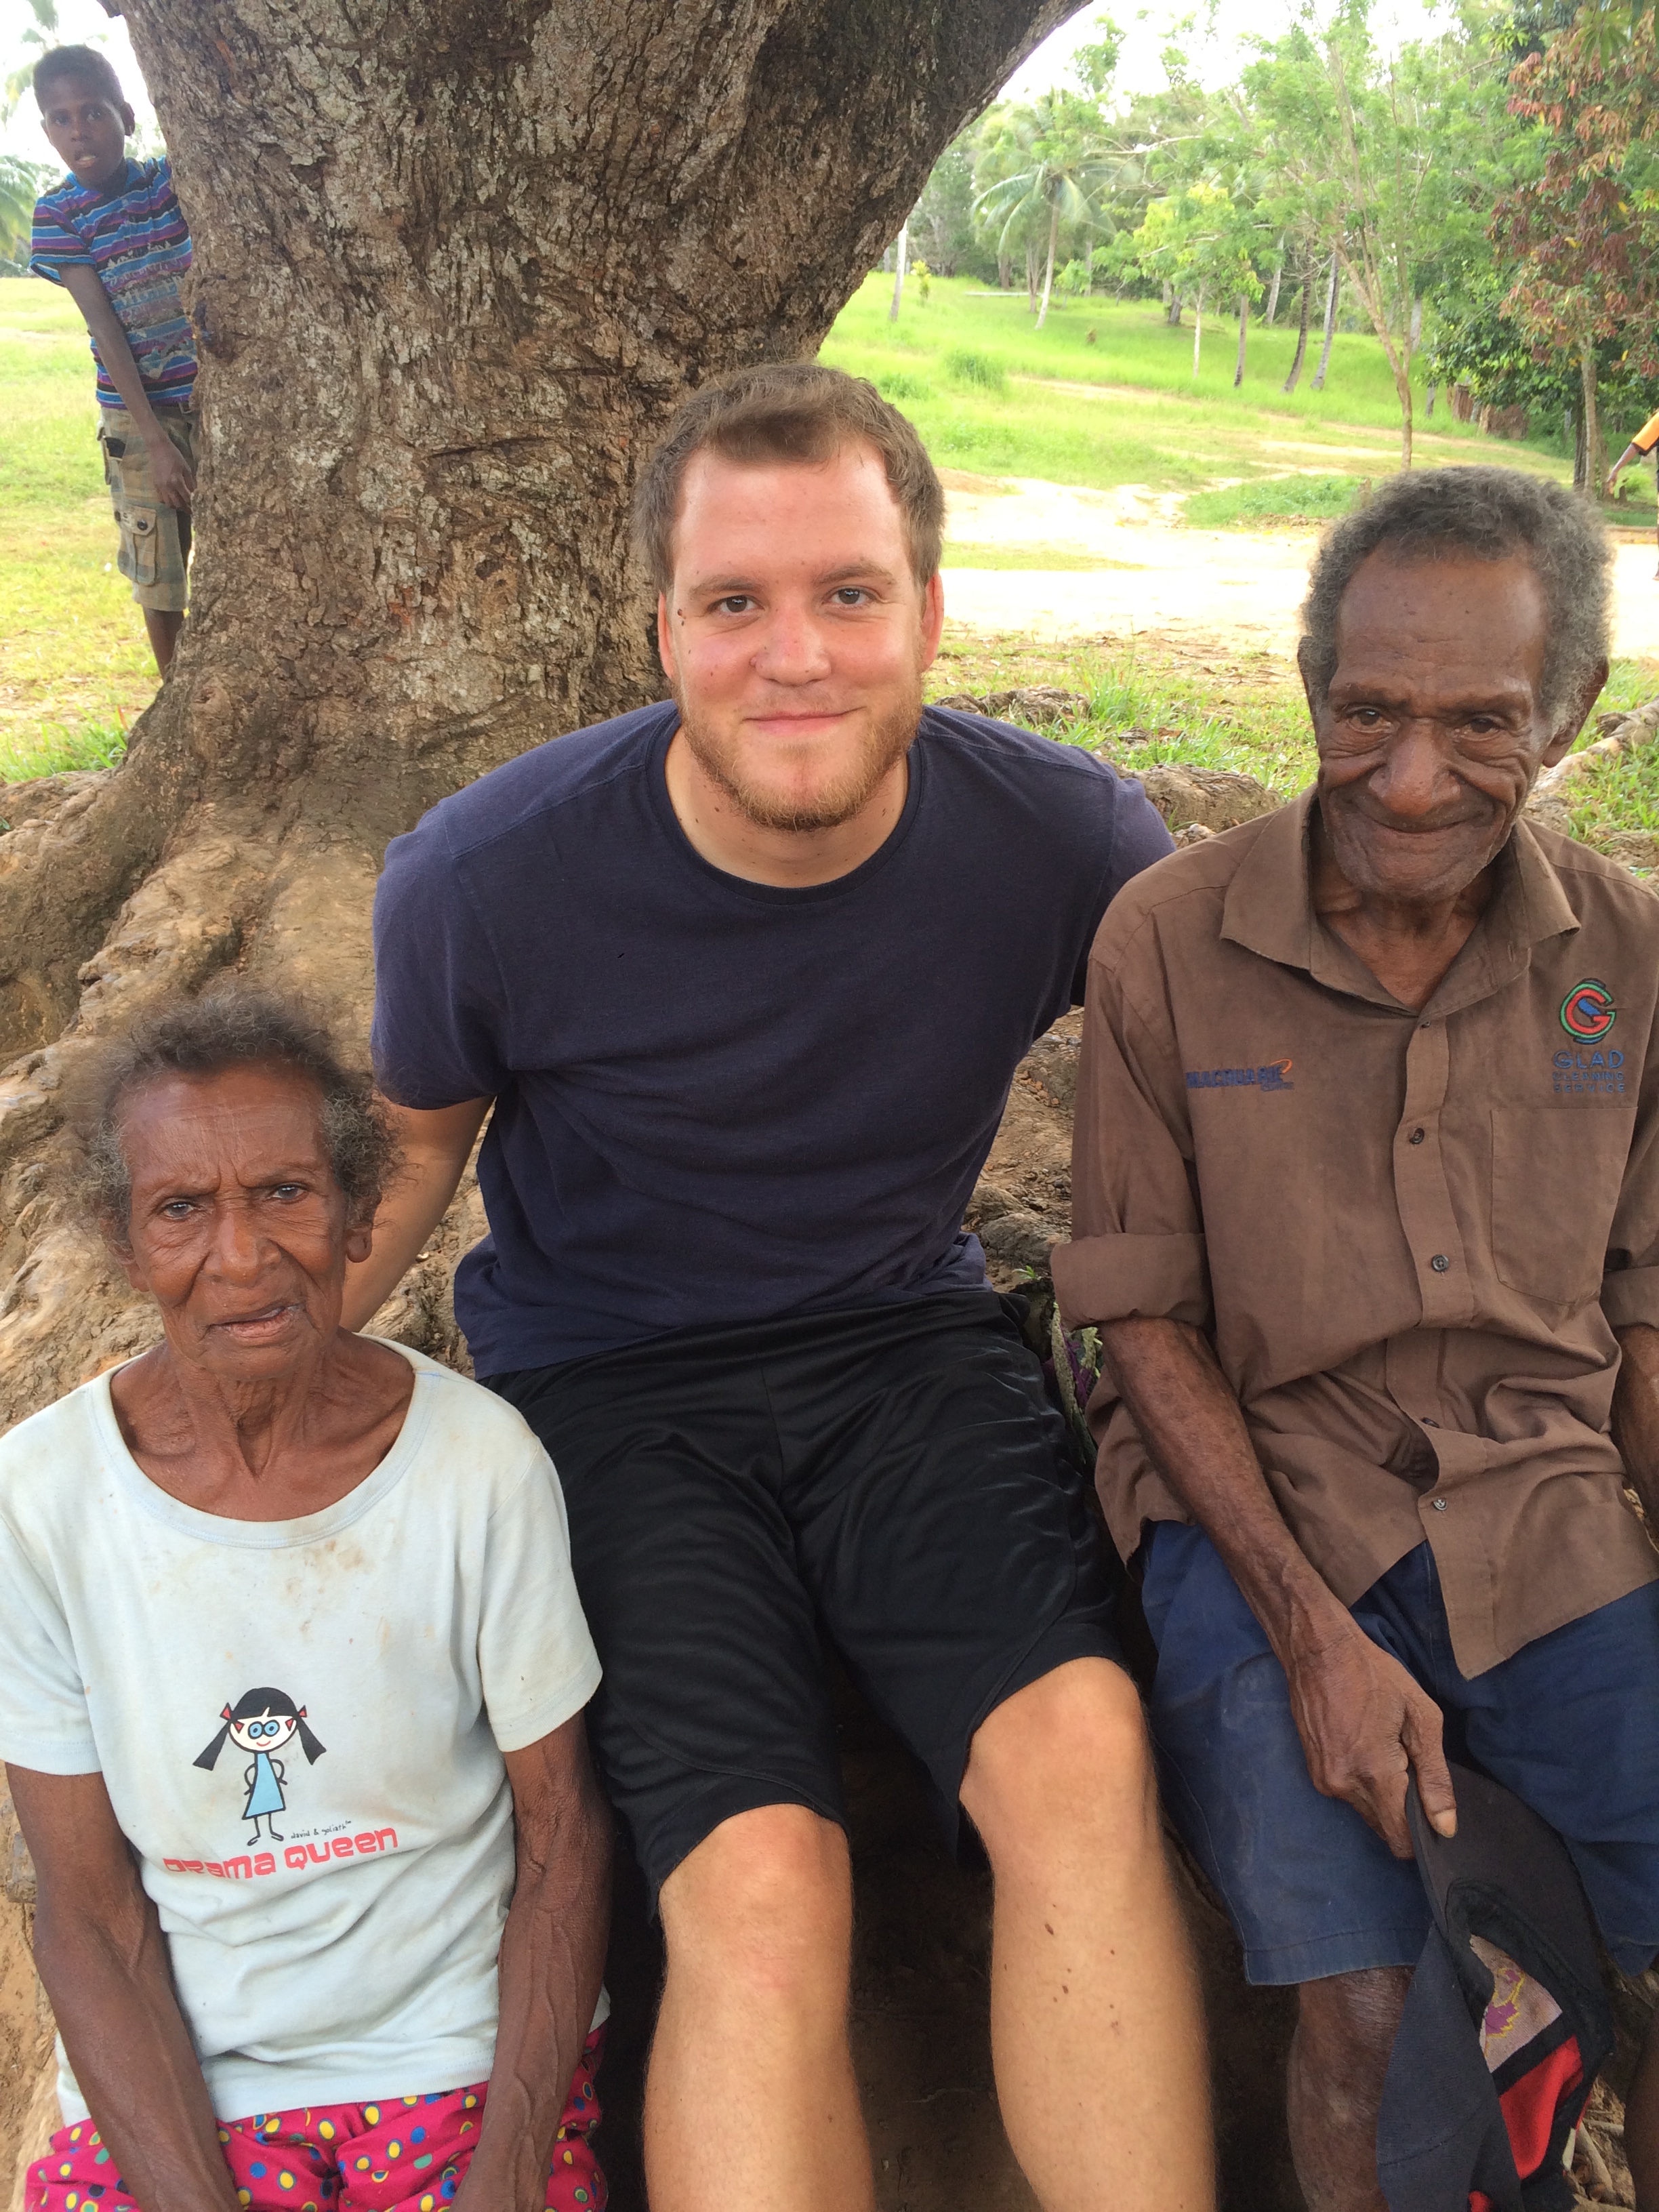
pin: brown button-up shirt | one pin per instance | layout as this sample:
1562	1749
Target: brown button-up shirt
1410	1235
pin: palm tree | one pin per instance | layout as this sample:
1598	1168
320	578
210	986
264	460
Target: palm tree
40	34
1050	159
21	184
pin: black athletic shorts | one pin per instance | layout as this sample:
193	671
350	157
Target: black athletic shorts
892	1476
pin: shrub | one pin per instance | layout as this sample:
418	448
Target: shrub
976	368
898	384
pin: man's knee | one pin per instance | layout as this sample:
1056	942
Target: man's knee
1067	1758
765	1900
1346	2026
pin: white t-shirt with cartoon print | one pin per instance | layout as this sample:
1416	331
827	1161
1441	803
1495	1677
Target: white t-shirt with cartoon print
301	1726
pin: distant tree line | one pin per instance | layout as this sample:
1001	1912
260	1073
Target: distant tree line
1485	201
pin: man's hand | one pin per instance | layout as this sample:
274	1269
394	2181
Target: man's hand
1636	1415
174	479
1365	1724
1363	1721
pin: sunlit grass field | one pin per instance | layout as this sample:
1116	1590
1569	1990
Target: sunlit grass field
979	380
75	669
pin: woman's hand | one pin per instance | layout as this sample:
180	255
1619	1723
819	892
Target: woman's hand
101	1955
552	1961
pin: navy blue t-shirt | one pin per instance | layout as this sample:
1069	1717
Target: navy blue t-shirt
716	1101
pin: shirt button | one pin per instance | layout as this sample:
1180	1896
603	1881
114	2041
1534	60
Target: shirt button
1415	1138
1440	1263
1427	1424
1439	1504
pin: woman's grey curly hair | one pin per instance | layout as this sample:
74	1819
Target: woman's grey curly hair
1490	513
209	1036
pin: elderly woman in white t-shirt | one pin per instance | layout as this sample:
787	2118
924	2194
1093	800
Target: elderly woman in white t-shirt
292	1672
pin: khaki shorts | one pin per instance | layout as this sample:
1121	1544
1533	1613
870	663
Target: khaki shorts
154	539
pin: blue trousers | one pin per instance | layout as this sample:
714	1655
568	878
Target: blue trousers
1569	1723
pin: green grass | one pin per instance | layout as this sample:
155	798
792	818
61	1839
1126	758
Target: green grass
75	668
1123	408
1276	500
1623	796
1244	711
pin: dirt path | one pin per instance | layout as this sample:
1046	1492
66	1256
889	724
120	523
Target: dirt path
1237	587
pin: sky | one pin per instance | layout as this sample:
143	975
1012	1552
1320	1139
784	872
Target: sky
1213	33
79	22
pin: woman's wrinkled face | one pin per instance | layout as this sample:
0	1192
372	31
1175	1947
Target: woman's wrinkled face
238	1229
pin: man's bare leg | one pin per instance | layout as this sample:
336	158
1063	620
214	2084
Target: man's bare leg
1641	2122
162	627
758	1922
1097	2029
1345	2032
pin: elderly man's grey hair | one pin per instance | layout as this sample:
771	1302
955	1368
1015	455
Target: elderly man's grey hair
210	1036
1490	514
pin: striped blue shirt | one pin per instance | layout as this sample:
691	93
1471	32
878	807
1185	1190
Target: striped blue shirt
132	232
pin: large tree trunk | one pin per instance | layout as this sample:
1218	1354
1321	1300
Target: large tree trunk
454	268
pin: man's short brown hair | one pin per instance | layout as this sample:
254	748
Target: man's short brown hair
797	412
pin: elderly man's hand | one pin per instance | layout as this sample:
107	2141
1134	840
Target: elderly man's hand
1365	1724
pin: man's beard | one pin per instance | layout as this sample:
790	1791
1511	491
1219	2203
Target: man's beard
888	740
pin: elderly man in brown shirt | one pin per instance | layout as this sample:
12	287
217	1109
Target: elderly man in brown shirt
1366	1207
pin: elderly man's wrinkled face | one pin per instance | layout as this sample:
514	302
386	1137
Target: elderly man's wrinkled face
238	1228
1432	730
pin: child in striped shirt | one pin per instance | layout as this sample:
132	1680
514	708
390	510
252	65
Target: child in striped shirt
113	234
1638	450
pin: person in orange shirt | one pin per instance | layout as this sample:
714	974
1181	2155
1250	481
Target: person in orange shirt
1638	450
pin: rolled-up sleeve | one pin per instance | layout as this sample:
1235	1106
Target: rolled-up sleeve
1630	1285
1137	1243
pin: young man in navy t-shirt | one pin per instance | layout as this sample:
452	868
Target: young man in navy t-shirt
745	978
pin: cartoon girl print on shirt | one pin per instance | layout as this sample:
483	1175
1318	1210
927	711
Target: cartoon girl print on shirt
263	1722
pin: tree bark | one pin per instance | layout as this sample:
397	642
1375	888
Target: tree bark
454	267
1244	331
1302	327
1272	289
1331	290
1198	330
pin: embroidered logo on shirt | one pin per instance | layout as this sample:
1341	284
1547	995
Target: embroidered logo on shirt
1275	1076
1581	1072
1588	1011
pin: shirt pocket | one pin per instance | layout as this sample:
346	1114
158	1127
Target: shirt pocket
1556	1172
